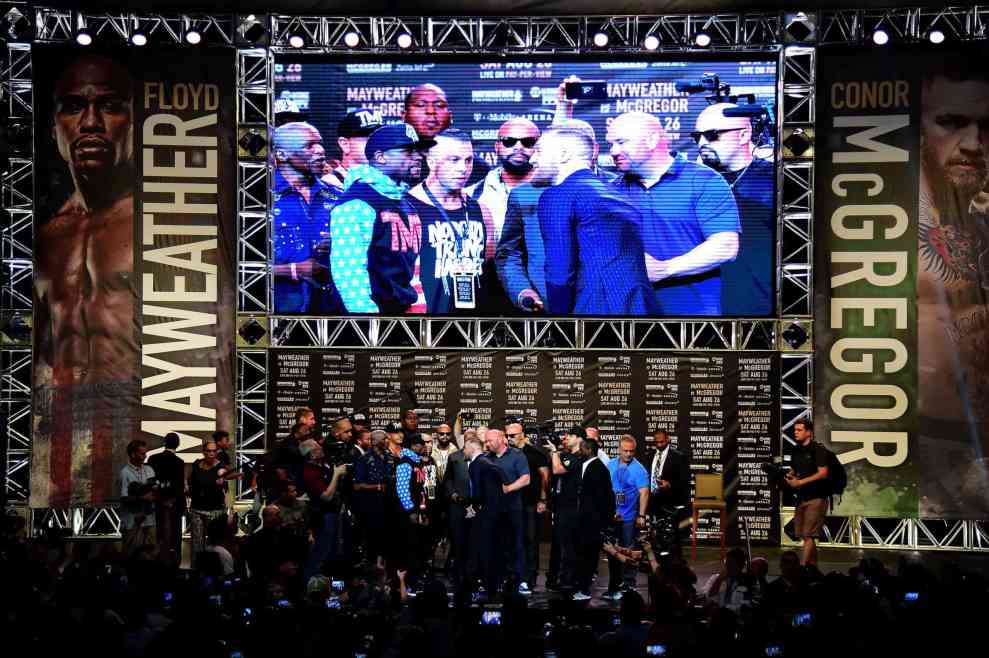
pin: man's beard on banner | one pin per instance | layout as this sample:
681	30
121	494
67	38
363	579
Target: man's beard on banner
953	196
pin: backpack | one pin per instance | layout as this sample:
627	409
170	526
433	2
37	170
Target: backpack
837	477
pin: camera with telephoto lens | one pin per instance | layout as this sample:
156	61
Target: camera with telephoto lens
337	453
775	473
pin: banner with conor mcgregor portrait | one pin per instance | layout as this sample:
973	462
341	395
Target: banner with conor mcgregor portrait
902	279
135	228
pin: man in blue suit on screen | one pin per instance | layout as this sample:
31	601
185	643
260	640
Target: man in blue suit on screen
594	254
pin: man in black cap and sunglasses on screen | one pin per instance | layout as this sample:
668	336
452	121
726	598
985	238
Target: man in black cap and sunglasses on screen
724	143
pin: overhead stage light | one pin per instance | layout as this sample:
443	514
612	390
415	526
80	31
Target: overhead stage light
702	39
253	29
404	40
16	23
880	37
296	41
795	336
84	38
139	38
935	36
600	39
651	42
352	39
193	37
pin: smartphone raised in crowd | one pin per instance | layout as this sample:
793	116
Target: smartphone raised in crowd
592	90
491	618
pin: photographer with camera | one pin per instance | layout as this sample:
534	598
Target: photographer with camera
137	481
808	478
321	485
631	486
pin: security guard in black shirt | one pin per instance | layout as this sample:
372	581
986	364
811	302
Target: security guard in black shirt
566	492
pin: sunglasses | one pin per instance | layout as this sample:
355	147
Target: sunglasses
509	142
712	135
443	434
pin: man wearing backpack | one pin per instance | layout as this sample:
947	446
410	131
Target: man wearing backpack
808	476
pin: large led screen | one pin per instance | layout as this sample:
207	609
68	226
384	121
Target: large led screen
490	188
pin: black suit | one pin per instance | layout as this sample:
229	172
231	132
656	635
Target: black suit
487	497
596	504
170	475
457	494
676	471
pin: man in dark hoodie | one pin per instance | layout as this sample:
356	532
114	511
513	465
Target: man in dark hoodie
375	233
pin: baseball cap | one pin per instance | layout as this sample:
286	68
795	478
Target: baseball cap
393	428
360	123
395	136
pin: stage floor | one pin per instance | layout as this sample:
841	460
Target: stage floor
708	563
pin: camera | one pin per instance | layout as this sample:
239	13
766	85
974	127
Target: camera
596	90
775	473
337	453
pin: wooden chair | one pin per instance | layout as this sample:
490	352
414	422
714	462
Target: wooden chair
709	495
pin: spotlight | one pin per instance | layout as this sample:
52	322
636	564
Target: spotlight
252	331
600	39
16	329
880	37
352	39
17	24
296	41
795	336
799	27
799	142
193	37
253	142
405	40
253	31
935	36
139	38
84	38
651	42
702	39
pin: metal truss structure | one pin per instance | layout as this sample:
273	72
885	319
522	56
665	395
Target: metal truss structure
446	36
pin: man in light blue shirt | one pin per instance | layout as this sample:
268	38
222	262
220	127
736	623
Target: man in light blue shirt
630	482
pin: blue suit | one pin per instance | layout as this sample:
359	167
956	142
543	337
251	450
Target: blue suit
595	262
520	258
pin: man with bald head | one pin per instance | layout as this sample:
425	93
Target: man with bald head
428	111
725	144
454	235
85	291
594	263
302	205
689	220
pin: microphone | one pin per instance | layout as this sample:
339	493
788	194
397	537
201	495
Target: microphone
746	111
691	86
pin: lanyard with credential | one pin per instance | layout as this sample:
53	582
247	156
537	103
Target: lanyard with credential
458	236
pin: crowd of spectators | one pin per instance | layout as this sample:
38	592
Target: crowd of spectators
65	598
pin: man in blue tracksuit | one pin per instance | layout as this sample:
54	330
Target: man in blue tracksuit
375	233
